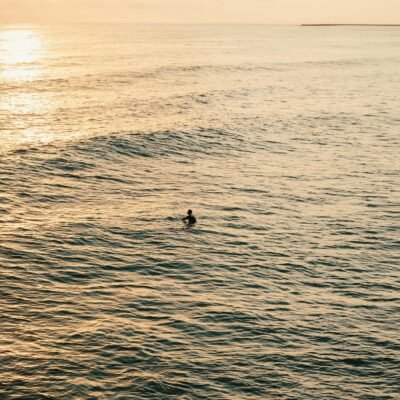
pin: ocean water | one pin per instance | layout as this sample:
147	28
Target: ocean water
285	143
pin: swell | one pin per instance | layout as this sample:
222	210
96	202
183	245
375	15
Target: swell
113	79
65	80
201	142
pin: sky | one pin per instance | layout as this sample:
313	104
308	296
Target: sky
200	11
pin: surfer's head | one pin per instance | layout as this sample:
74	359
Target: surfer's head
190	212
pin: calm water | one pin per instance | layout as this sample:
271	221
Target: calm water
285	143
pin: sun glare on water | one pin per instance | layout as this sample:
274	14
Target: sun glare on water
24	113
19	49
19	46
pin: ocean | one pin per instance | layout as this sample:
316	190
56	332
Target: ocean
283	140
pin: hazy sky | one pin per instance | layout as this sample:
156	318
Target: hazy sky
238	11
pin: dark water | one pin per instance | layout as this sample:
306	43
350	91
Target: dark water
283	140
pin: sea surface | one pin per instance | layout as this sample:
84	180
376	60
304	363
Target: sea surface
285	142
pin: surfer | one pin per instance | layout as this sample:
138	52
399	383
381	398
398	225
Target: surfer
190	218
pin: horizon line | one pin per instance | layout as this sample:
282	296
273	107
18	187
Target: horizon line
195	23
22	25
349	24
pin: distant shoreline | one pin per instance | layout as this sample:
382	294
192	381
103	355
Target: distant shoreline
350	25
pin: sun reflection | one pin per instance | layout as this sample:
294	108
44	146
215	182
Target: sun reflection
24	120
19	46
24	113
23	103
19	49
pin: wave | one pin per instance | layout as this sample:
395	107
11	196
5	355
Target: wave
84	153
129	76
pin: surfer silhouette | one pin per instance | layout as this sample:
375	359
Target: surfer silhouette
190	218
